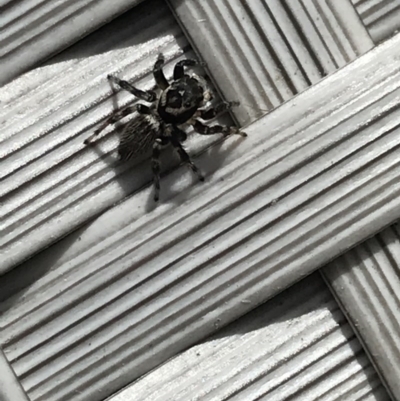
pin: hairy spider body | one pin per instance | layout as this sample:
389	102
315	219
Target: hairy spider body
179	103
131	144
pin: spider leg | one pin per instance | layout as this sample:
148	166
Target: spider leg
179	134
179	67
155	164
116	116
218	109
216	129
185	157
148	96
143	109
158	73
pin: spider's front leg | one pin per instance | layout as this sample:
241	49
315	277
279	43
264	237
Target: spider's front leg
216	129
148	96
179	71
158	73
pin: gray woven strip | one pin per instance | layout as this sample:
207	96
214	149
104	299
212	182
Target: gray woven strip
10	387
313	178
380	17
298	346
264	52
33	30
366	281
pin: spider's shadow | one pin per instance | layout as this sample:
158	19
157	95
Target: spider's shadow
213	159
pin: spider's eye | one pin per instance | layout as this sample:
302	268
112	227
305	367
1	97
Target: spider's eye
174	101
187	104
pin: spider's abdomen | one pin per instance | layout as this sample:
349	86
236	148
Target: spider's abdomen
138	136
179	102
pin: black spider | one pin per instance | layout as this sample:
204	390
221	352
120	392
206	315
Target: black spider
160	124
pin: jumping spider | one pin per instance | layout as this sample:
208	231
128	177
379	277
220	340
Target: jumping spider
160	124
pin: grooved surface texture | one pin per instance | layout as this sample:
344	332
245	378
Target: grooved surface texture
262	52
33	30
125	293
50	182
298	346
10	387
366	281
381	17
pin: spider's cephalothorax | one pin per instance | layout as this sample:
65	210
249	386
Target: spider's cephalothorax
180	103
